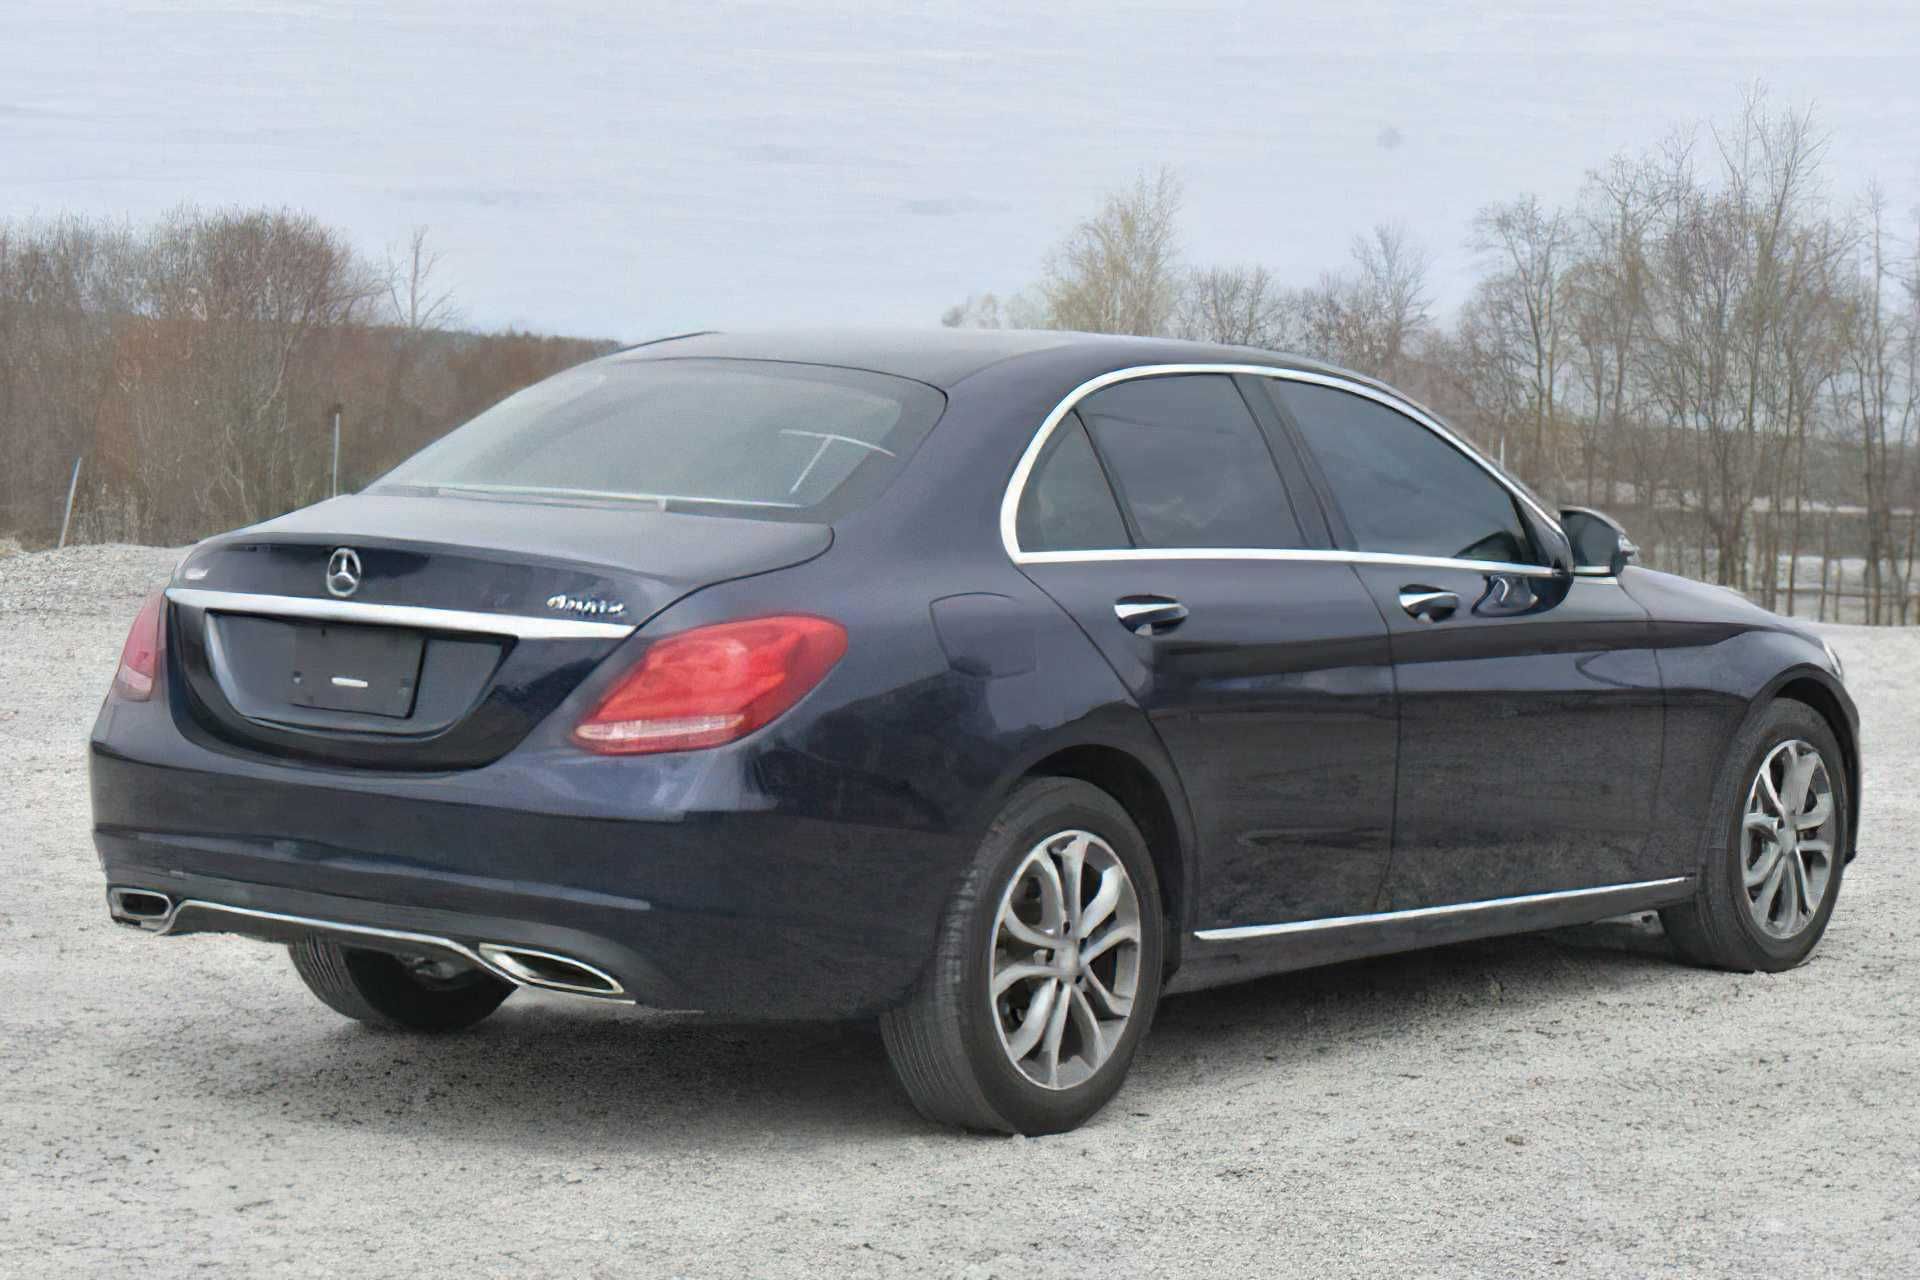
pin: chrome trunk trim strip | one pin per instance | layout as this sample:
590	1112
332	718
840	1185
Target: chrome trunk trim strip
517	625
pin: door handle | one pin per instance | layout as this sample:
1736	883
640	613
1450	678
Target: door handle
1428	604
1149	615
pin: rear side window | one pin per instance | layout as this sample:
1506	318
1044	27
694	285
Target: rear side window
738	437
1190	464
1067	505
1402	488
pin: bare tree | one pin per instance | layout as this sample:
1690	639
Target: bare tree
1118	272
1370	318
1723	272
1878	395
419	307
1392	296
1523	303
251	290
419	304
61	282
1607	303
1241	306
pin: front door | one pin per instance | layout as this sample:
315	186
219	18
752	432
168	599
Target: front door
1530	703
1158	518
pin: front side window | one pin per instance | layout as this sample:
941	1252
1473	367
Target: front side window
738	437
1402	488
1190	464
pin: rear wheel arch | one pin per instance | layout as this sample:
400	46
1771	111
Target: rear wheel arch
1157	812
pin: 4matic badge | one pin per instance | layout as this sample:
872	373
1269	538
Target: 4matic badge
590	608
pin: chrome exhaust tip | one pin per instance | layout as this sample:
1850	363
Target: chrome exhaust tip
552	972
141	908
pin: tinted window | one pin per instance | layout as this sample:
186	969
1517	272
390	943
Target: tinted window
1067	505
740	436
1401	487
1190	464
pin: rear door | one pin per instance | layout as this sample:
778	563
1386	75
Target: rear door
1157	515
1530	705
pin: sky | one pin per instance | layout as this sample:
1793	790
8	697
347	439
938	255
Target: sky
629	170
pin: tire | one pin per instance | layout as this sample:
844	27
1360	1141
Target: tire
1731	925
382	990
953	1044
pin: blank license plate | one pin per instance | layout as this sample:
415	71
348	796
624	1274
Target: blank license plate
372	670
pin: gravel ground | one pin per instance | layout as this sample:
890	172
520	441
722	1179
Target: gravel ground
1566	1105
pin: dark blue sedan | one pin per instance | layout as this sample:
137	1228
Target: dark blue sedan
992	684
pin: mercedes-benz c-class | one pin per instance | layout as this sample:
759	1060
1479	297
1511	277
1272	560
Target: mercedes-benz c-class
993	685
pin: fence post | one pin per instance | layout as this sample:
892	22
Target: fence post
73	484
1826	554
335	492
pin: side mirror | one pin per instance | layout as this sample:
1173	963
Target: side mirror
1601	547
1550	542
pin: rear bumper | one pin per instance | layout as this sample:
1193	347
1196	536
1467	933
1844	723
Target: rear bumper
206	905
695	891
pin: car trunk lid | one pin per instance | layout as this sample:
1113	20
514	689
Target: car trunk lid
433	632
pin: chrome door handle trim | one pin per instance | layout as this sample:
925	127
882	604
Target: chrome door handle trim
1149	615
1428	603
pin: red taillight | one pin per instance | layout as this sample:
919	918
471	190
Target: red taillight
713	684
140	655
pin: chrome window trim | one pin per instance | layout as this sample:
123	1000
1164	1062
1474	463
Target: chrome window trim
1240	933
517	625
1308	554
1016	487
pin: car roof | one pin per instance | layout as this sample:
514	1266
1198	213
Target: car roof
945	357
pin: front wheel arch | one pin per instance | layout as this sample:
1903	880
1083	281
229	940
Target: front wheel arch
1815	687
1713	929
1805	688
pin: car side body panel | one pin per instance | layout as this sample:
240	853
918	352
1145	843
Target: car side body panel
1721	659
1530	739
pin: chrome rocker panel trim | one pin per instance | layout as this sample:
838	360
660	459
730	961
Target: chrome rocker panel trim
520	626
1239	933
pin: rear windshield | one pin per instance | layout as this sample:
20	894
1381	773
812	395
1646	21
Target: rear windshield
734	437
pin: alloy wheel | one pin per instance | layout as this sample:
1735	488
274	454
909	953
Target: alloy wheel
1065	959
1786	839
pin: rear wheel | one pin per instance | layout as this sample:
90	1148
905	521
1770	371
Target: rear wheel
414	993
1776	848
1047	970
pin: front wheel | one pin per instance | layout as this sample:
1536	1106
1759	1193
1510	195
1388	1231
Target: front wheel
1775	851
1046	973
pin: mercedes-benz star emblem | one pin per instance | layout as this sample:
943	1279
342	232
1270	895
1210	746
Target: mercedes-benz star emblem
343	572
